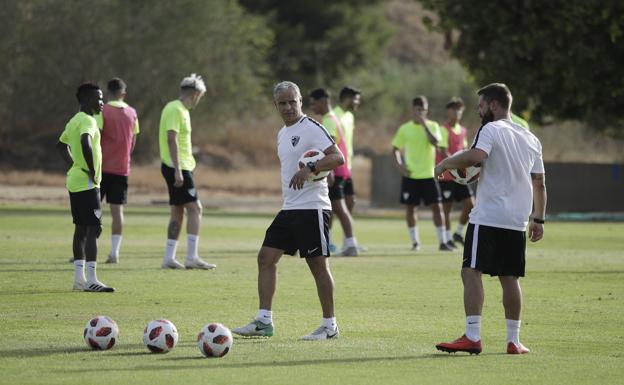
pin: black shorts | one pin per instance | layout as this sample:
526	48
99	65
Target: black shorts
495	251
337	190
303	230
85	207
413	191
179	196
452	191
348	187
114	188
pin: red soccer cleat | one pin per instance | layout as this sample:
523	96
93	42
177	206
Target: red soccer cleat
462	344
512	348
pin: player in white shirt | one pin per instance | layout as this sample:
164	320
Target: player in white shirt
303	222
512	181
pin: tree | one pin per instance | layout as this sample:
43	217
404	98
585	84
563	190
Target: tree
561	59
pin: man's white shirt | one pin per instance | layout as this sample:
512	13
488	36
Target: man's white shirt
292	142
505	190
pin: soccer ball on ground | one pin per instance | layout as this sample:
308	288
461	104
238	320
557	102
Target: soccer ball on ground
214	340
160	336
465	175
312	156
101	333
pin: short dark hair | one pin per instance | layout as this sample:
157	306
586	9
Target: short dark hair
347	92
419	101
455	103
115	85
496	91
84	91
319	93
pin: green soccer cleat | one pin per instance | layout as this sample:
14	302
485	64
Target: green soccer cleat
255	328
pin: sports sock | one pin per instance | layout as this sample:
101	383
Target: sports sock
473	327
460	229
264	316
170	250
449	236
91	267
192	242
115	244
441	231
513	331
350	242
79	270
413	233
330	323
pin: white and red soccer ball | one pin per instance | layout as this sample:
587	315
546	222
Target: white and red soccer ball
214	340
465	175
160	336
312	156
101	333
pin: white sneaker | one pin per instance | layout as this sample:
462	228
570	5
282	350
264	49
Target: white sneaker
362	248
98	287
322	333
172	264
80	285
198	263
112	259
255	328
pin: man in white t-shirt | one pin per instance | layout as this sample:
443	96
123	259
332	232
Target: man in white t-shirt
303	222
511	183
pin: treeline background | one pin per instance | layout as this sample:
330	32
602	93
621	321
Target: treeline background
391	50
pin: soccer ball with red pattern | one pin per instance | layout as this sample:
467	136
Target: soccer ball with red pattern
312	156
160	336
465	175
101	333
214	340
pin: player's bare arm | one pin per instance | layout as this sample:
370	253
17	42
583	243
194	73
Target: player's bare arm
399	161
420	119
172	141
536	227
333	158
65	152
461	160
87	152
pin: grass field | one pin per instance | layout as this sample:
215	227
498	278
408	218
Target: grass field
392	307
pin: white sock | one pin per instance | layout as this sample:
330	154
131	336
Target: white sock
350	242
460	229
115	243
441	230
264	316
513	331
79	270
170	250
330	323
473	327
192	242
91	276
413	233
449	236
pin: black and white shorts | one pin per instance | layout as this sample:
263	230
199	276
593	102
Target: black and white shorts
303	230
452	191
495	251
114	188
413	191
179	196
85	207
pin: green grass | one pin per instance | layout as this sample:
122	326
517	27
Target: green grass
392	307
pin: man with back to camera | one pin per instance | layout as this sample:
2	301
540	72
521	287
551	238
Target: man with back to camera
454	134
177	168
512	180
418	139
321	105
303	222
79	146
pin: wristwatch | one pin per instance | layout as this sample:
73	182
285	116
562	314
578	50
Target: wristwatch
540	221
311	166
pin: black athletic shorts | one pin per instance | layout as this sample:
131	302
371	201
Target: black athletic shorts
85	207
303	230
413	191
495	251
178	196
452	191
114	188
348	187
337	190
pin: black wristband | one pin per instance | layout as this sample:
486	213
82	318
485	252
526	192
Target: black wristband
311	166
540	221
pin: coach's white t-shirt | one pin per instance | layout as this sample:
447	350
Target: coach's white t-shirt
505	191
292	142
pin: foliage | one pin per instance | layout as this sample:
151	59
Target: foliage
560	58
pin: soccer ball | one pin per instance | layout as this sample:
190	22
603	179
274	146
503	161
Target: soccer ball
101	333
160	336
465	175
312	156
214	340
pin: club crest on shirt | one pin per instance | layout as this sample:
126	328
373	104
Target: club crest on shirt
294	140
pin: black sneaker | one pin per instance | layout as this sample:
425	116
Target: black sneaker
415	246
451	244
458	238
445	247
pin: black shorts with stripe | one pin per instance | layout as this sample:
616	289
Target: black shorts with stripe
303	230
85	207
179	196
114	188
494	250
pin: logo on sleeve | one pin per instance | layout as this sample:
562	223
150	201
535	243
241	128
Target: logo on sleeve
294	140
